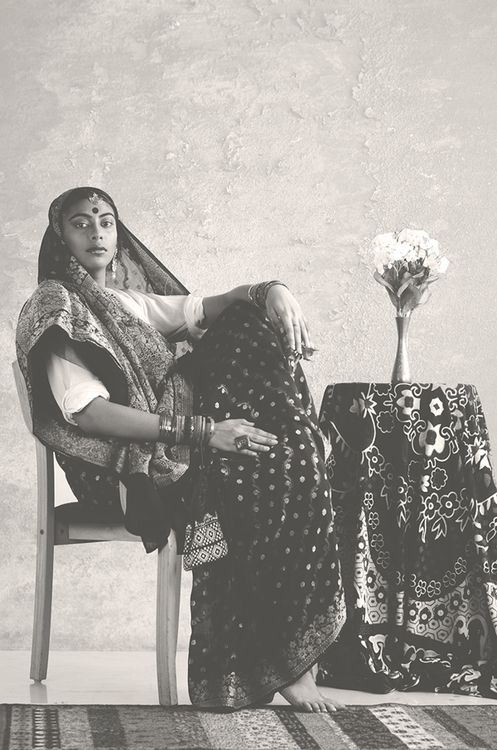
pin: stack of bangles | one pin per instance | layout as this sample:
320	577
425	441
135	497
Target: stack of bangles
183	430
257	293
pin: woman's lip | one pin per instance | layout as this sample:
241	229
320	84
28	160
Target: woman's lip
97	249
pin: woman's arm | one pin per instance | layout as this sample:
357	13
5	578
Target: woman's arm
214	306
282	309
106	419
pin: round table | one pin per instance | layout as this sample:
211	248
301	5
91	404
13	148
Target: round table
416	520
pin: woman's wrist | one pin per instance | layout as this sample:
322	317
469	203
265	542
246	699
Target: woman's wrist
257	293
192	430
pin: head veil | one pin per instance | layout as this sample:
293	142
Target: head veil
134	360
136	267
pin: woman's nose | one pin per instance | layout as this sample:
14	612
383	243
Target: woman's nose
96	233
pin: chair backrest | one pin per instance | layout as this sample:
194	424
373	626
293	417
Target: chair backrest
71	530
22	393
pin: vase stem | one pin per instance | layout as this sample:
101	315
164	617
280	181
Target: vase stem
401	371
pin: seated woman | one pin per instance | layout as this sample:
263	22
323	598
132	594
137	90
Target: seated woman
227	431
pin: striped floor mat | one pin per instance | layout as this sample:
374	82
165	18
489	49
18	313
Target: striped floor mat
380	727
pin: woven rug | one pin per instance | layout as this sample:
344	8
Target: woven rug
380	727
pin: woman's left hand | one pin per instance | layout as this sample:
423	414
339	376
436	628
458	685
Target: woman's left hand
287	317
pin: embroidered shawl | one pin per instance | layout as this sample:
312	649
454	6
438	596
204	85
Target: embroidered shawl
136	363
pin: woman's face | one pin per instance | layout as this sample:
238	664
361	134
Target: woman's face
89	232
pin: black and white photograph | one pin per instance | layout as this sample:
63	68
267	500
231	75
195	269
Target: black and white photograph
249	375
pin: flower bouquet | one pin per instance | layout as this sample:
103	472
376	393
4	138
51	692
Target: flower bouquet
406	262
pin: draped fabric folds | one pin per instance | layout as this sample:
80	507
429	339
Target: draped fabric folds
265	613
134	361
416	512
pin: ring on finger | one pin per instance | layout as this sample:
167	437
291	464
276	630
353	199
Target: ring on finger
242	443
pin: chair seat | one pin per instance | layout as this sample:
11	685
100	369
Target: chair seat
77	523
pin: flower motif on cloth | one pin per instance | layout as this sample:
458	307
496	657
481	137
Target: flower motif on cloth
438	478
363	406
374	520
460	566
377	542
431	439
368	500
385	422
450	504
432	506
436	407
371	579
375	460
421	588
408	402
433	589
477	454
435	512
449	579
383	559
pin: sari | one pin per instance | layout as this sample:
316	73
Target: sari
263	615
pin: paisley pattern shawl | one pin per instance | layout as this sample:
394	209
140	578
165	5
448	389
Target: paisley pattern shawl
134	360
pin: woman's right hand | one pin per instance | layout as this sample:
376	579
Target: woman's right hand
226	432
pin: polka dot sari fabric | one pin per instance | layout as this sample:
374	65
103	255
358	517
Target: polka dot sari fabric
265	613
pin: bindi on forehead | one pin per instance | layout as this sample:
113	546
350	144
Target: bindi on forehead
96	200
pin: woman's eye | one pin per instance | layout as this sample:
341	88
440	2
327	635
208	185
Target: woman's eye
80	225
107	223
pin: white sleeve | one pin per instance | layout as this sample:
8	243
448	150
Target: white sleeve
73	386
173	314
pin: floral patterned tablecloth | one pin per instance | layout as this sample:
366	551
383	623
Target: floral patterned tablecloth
416	518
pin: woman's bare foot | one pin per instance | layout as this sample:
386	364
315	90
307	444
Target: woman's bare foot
304	696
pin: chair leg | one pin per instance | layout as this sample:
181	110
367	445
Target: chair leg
168	600
44	564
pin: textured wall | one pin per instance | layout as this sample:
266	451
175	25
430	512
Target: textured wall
246	139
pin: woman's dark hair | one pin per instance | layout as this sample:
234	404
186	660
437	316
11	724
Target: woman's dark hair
73	196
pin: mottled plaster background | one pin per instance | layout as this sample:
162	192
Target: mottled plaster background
243	140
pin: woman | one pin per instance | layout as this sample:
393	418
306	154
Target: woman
227	431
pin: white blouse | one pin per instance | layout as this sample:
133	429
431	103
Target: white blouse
74	386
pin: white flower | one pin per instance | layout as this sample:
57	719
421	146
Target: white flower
433	250
400	251
416	238
384	241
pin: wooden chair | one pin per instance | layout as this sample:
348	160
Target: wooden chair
72	523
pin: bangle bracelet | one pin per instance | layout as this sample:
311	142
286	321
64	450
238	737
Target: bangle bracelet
257	293
190	430
165	429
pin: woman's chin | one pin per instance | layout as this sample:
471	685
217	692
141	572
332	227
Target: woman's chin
96	264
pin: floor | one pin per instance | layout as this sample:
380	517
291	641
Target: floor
125	677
